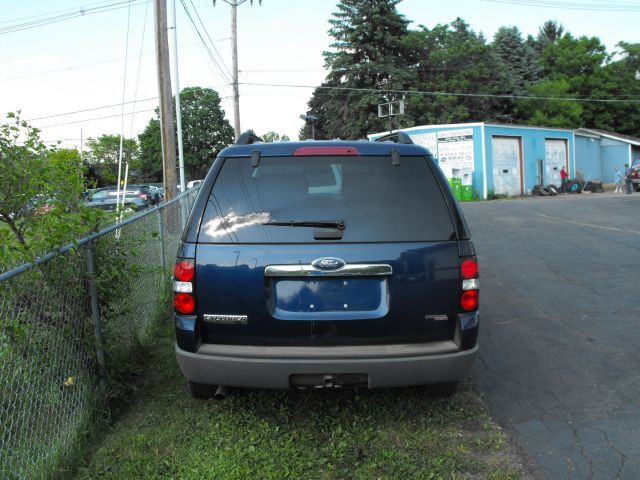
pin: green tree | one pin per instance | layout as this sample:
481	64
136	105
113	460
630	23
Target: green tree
548	33
454	59
370	53
40	194
274	137
622	117
205	131
580	63
519	65
149	164
517	59
552	113
103	155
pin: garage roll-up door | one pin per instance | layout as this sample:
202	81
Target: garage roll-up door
555	156
507	164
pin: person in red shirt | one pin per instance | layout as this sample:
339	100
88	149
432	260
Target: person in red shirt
563	177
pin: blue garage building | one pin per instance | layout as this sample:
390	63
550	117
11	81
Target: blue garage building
498	159
599	153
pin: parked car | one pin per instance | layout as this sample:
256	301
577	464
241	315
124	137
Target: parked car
635	174
136	197
325	264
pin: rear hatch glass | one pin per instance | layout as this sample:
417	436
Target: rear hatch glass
376	201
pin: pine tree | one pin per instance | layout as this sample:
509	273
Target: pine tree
370	53
454	59
518	59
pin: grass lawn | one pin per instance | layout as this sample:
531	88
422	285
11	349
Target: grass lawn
396	433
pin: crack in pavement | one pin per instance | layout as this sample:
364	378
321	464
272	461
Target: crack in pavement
578	443
614	448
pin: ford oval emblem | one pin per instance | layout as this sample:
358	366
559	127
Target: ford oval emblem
328	263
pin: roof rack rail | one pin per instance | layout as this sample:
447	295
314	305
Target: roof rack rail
247	138
396	137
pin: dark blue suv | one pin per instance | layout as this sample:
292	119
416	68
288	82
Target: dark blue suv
325	264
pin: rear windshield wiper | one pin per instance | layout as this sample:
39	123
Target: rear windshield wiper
339	224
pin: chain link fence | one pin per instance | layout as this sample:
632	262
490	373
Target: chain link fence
68	320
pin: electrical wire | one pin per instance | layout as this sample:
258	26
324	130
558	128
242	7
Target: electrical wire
204	44
124	91
209	37
68	16
88	109
446	94
96	118
85	65
55	12
582	5
135	92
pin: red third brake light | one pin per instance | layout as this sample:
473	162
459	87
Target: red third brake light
184	270
320	151
184	303
469	268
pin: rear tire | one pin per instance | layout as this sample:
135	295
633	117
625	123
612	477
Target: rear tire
200	391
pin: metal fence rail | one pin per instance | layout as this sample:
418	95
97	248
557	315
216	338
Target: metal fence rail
68	319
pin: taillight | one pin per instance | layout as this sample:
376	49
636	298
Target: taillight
184	303
469	272
469	268
470	300
183	299
184	270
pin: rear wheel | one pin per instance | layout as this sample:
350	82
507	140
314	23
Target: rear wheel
200	390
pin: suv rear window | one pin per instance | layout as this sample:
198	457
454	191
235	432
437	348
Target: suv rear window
379	202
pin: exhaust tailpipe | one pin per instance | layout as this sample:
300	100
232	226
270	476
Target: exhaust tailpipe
221	392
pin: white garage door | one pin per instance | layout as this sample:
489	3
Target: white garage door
506	165
555	156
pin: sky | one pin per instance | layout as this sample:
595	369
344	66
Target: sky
78	64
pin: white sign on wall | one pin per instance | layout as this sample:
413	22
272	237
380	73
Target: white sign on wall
455	149
427	140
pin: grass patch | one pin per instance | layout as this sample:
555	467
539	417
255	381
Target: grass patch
391	433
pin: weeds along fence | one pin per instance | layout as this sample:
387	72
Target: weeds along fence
68	322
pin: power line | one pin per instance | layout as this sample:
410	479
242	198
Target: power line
91	109
82	12
85	65
581	5
55	12
96	118
209	37
204	43
135	92
446	94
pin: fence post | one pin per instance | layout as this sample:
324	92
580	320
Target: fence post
95	309
163	260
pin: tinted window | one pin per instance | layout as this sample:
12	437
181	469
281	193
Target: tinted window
377	201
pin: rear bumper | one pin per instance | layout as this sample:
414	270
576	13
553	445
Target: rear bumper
272	367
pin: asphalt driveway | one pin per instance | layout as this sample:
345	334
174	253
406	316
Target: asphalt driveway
560	340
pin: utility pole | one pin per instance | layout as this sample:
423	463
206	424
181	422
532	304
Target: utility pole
234	67
178	109
234	61
166	111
